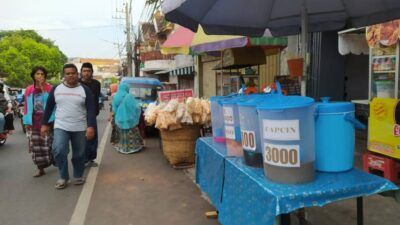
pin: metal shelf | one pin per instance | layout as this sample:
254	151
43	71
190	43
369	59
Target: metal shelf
384	71
383	56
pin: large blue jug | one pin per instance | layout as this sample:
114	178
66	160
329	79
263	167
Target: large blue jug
335	136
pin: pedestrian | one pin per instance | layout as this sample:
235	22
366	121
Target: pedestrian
74	123
95	87
36	96
126	112
114	137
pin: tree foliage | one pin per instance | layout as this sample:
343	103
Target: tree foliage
24	49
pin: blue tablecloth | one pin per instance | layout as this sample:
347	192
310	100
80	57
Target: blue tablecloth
209	176
242	195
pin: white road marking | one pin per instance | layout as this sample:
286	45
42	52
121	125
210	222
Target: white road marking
81	208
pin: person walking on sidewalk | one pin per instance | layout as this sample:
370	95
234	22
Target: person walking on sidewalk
126	112
74	122
95	86
36	96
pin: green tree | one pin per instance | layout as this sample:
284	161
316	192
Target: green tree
22	50
35	36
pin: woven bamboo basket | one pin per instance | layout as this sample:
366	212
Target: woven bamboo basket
178	145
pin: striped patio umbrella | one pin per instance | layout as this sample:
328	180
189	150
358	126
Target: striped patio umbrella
184	41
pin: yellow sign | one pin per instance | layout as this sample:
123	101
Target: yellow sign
384	127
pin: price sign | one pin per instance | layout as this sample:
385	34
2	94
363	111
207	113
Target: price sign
248	140
228	115
230	132
282	155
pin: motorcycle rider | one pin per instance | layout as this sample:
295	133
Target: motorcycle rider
6	117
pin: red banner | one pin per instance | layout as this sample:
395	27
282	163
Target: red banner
181	95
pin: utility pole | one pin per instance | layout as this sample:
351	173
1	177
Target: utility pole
128	17
136	56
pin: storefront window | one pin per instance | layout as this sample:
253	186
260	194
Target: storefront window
232	82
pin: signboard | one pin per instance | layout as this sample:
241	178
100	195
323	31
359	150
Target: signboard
181	95
281	130
384	129
385	34
228	115
230	132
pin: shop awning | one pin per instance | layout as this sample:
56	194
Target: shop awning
353	43
237	58
162	72
183	71
178	42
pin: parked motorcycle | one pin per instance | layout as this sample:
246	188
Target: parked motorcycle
101	101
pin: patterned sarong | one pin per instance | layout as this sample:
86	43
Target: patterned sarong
40	148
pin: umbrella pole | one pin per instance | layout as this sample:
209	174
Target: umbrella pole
304	48
222	73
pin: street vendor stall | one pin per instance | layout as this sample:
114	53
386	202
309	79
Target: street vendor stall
243	196
306	150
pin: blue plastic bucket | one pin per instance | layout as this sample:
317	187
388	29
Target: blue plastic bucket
217	119
287	131
232	125
335	136
251	138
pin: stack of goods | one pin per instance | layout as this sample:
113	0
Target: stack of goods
179	125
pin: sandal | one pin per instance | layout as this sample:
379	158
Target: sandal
39	173
61	184
79	181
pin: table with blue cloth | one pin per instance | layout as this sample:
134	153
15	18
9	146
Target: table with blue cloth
243	196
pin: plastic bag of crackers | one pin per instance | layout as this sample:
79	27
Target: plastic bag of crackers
173	114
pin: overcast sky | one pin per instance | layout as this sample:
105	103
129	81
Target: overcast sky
81	28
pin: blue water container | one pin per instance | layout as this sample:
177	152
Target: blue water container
217	119
232	125
251	140
288	138
335	136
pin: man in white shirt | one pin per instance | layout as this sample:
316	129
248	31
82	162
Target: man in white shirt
74	122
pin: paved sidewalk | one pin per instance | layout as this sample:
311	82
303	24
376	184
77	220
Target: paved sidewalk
143	189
